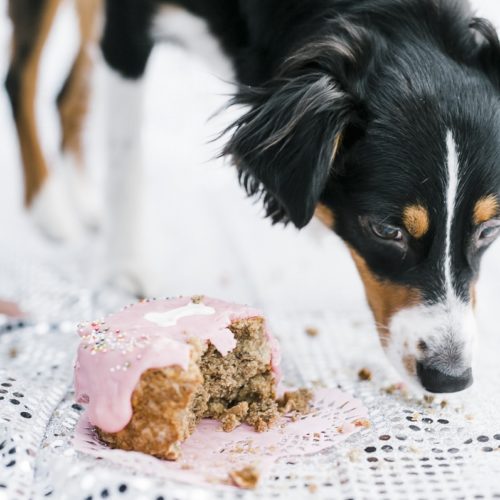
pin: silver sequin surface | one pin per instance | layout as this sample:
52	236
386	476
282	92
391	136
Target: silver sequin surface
415	449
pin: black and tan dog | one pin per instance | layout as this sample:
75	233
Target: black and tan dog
380	116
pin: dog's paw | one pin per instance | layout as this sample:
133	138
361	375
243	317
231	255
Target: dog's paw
53	212
83	193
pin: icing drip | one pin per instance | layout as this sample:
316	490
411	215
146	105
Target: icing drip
114	352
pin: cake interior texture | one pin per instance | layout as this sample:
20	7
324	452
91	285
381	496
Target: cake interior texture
168	402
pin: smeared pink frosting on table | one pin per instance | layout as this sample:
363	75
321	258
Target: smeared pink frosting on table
116	351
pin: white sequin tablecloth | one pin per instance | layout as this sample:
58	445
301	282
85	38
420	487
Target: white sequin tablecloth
414	450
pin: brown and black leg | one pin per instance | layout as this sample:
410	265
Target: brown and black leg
72	105
32	21
72	101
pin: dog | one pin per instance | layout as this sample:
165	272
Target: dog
380	117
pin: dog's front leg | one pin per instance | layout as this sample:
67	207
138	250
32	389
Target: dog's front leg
126	46
124	195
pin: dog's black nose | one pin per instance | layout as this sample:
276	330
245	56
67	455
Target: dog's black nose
436	381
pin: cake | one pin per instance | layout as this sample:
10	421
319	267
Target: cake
150	372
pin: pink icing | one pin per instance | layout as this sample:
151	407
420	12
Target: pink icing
116	351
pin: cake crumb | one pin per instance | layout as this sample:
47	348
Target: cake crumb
362	422
246	478
396	388
233	417
229	422
196	299
355	455
365	374
312	488
298	401
312	331
13	353
444	403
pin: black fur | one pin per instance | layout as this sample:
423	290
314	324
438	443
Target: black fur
293	123
388	77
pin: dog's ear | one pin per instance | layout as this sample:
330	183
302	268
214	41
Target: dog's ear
285	146
484	49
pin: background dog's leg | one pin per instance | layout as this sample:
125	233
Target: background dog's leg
126	49
44	195
72	103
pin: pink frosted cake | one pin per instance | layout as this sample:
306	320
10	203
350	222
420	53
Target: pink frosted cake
150	372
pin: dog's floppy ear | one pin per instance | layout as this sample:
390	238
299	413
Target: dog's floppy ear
285	145
485	51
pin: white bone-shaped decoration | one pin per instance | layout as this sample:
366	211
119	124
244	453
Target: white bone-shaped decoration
170	318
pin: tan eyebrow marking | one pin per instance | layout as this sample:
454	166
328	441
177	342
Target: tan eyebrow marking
485	209
325	215
416	220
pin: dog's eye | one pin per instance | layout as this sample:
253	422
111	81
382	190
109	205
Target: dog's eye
488	232
386	231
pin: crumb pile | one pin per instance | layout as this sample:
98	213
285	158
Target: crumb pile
150	372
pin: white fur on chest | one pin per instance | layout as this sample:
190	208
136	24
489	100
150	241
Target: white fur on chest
177	25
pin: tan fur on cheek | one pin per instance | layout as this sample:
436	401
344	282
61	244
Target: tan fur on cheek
485	209
416	220
385	298
325	215
410	364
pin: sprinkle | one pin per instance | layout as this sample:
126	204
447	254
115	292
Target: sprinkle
98	337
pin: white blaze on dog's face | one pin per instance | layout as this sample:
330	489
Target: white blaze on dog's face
435	342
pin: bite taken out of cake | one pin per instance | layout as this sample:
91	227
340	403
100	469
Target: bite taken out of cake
150	372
